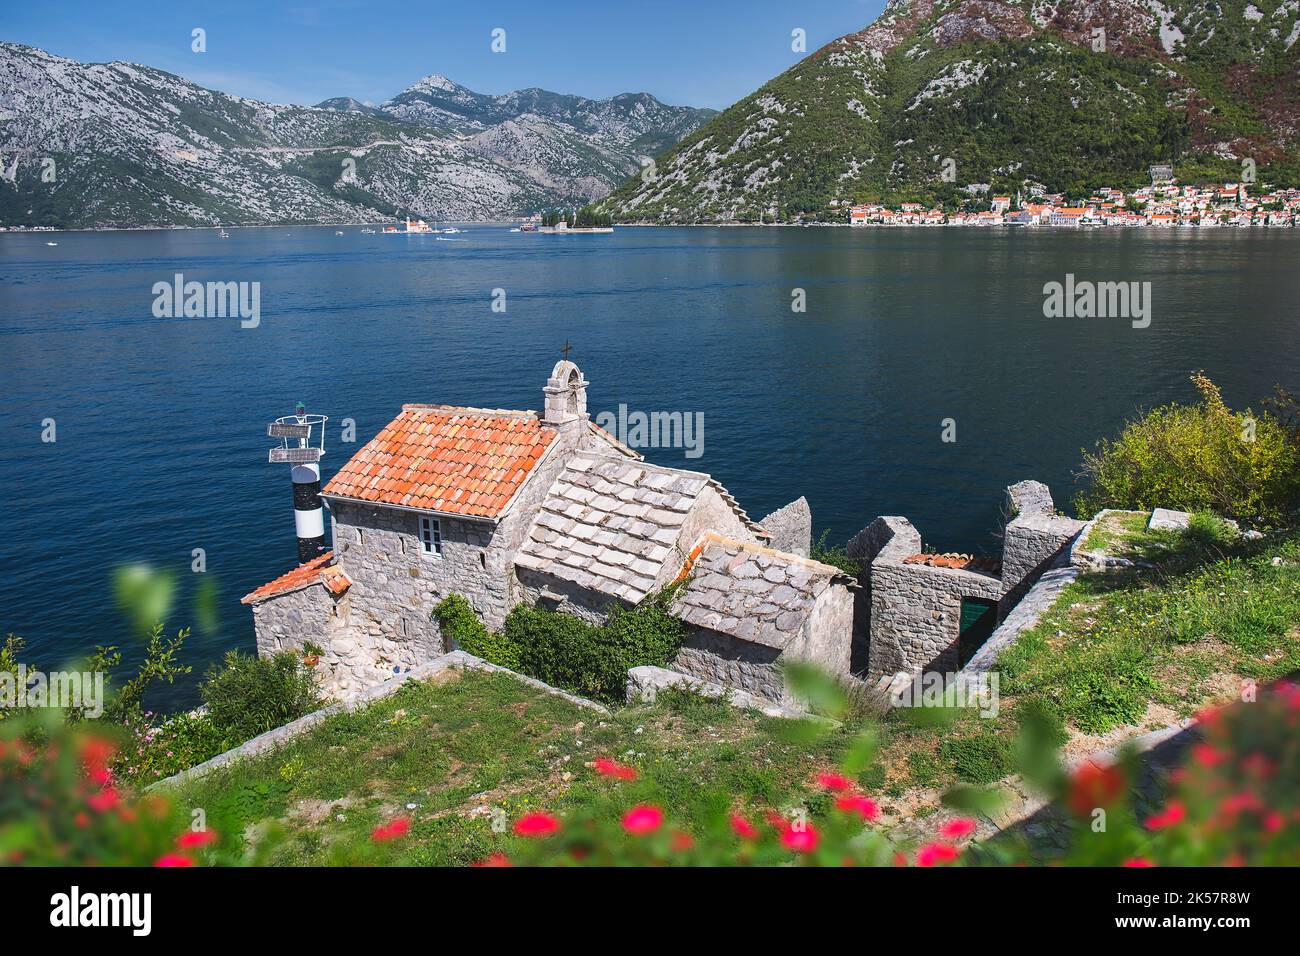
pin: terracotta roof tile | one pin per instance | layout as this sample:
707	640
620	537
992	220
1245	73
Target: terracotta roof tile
322	570
467	461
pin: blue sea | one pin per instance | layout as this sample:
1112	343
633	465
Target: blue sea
160	423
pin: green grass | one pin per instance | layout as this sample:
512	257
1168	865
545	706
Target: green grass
1115	530
459	749
1209	615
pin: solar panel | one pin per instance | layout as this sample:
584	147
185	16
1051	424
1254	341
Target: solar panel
294	456
281	430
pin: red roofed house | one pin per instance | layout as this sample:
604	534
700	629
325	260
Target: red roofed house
504	507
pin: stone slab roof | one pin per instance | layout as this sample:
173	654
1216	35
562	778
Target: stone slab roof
751	592
610	524
322	570
460	461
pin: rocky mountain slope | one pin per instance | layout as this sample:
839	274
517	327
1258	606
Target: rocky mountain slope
127	145
939	94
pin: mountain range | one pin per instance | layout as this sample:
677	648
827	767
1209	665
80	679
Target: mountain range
937	95
123	145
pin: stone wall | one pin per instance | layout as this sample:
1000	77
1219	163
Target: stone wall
916	614
722	659
891	532
824	639
352	658
395	586
1032	539
790	528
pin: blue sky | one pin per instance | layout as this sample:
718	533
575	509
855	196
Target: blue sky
689	52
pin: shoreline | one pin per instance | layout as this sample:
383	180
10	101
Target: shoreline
48	230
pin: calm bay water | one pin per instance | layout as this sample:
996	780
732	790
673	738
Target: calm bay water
161	443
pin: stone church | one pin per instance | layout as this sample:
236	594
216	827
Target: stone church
505	507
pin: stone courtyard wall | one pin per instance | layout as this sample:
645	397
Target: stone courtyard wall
916	614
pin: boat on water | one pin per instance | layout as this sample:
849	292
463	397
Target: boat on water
367	231
222	234
51	243
338	232
450	230
528	227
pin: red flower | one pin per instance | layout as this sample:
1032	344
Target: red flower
800	838
743	828
956	829
196	838
100	776
1273	821
864	807
104	801
1093	786
496	859
81	820
836	782
900	859
1208	756
399	827
536	825
1137	861
682	841
935	853
1173	813
609	768
173	859
643	819
96	753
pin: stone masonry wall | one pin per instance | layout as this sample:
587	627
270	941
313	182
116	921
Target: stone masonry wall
1035	536
726	660
350	660
916	614
895	536
790	528
395	586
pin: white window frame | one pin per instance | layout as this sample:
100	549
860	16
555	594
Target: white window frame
430	537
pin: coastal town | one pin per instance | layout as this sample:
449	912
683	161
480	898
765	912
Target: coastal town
1164	203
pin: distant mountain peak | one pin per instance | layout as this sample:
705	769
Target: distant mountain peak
1073	94
137	146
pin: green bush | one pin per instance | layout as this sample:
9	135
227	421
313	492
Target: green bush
1199	458
837	556
567	652
250	695
457	620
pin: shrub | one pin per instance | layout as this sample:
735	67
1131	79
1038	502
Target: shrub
155	748
567	652
1199	458
250	695
457	620
837	556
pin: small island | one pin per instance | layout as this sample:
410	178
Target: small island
584	221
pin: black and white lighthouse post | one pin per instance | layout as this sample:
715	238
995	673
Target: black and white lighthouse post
303	444
308	515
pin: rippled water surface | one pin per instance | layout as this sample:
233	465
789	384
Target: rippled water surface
161	443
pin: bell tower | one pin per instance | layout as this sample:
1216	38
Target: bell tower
565	394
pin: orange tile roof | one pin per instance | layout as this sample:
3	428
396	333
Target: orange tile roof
465	461
322	570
